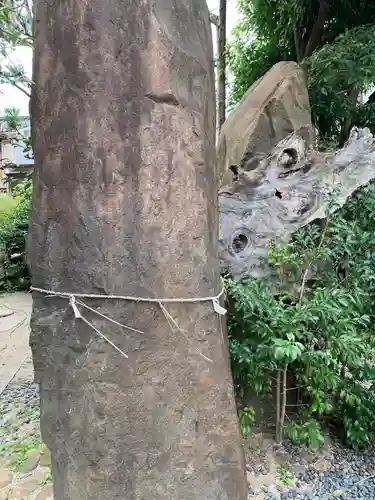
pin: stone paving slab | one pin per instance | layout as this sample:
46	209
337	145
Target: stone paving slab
15	354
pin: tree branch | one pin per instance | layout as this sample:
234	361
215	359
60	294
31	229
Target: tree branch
221	64
278	408
347	122
297	44
318	27
28	6
283	404
12	82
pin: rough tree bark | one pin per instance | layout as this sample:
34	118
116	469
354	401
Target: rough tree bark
125	203
318	28
221	62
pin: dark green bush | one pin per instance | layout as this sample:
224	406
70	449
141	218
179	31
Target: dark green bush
365	116
323	333
14	274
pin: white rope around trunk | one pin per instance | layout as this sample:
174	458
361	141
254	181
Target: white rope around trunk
72	297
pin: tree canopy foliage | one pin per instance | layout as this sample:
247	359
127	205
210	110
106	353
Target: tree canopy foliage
333	39
15	31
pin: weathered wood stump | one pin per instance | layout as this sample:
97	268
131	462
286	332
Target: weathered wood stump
272	196
125	203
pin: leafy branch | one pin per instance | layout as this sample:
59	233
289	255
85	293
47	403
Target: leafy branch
321	334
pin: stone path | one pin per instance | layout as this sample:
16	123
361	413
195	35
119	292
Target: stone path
24	460
15	310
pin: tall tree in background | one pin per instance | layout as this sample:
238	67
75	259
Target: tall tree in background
221	28
333	39
15	31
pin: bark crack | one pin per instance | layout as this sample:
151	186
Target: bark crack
165	98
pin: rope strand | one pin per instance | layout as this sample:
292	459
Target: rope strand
170	320
128	297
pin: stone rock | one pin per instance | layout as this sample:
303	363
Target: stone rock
298	468
123	115
24	489
273	107
20	408
46	493
5	478
322	465
274	491
266	444
27	486
249	477
288	189
31	462
26	431
44	455
12	417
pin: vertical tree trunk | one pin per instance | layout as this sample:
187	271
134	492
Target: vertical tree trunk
221	62
318	27
347	123
125	203
297	44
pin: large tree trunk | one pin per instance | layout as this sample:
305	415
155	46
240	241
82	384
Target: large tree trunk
125	203
318	28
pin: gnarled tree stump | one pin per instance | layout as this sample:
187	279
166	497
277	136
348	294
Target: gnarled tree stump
274	195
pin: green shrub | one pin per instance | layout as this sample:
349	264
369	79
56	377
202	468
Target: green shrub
322	331
7	204
365	116
337	74
246	420
14	274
